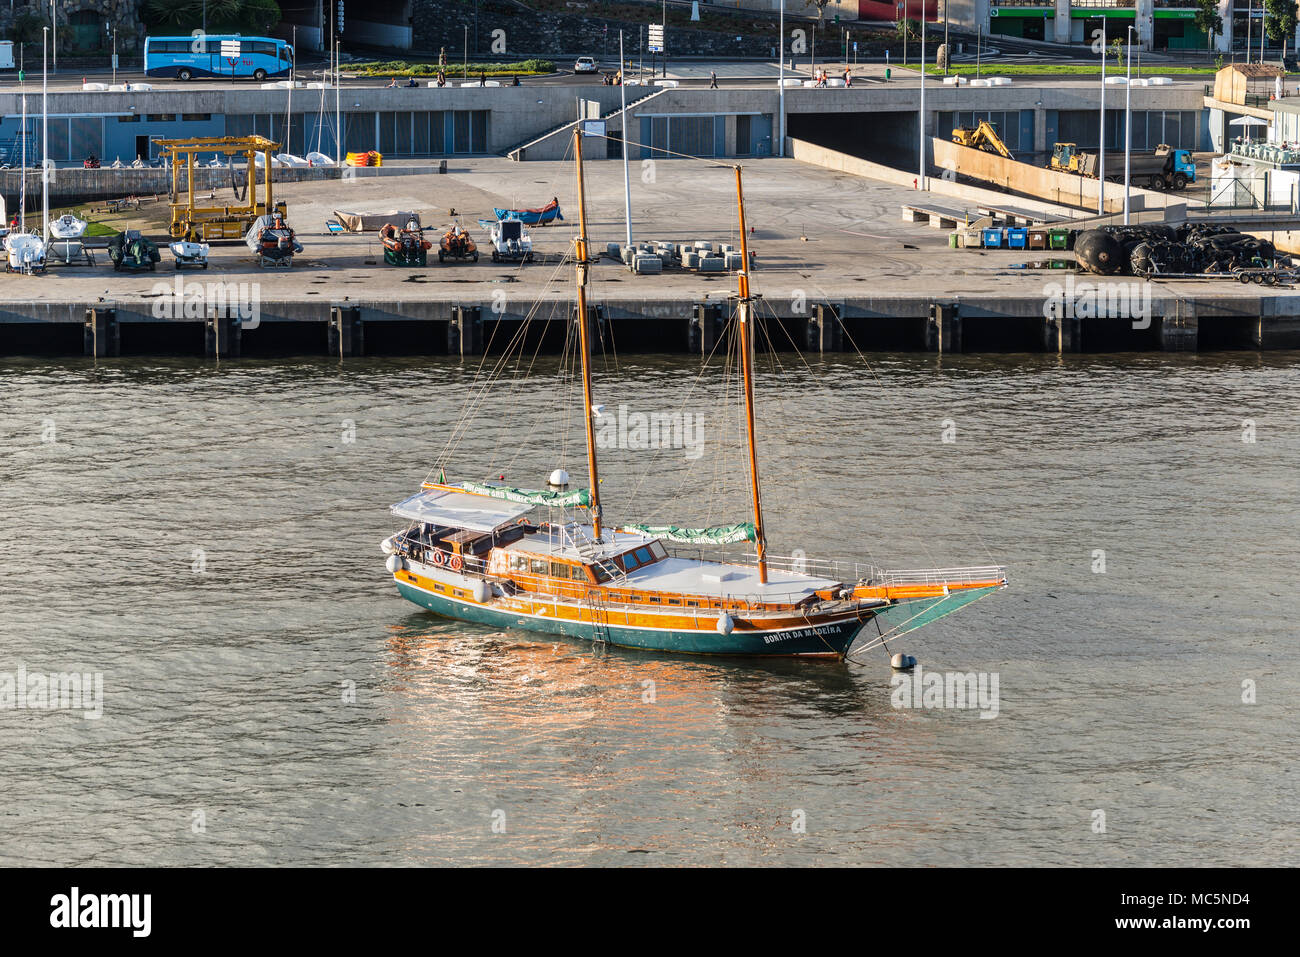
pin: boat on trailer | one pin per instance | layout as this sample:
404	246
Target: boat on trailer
545	560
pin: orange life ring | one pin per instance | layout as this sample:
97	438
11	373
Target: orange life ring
439	556
456	562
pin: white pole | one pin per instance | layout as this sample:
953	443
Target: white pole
55	24
45	143
921	118
1128	125
338	110
627	180
288	110
1101	158
22	203
780	82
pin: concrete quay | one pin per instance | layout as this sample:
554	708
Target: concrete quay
835	264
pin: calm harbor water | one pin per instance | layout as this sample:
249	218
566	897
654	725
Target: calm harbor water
207	539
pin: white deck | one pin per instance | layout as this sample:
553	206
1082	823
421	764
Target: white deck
715	578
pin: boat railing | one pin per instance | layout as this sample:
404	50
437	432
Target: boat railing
852	572
840	571
968	575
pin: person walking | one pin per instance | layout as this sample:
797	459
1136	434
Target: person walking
713	79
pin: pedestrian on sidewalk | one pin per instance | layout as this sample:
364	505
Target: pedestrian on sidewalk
713	79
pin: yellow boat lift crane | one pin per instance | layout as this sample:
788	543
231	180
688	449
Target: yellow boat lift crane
190	221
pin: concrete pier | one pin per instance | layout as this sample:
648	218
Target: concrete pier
835	270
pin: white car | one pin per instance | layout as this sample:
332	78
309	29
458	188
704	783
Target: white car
585	64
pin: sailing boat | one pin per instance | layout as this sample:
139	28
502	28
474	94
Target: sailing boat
482	552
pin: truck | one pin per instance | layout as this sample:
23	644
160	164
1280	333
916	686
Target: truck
1163	168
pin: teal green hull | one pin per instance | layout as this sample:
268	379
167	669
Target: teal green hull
831	640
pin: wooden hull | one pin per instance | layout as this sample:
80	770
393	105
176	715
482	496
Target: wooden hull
794	638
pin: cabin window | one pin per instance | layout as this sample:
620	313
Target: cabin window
559	570
657	550
538	566
519	563
690	603
437	587
653	599
674	601
600	573
630	562
643	556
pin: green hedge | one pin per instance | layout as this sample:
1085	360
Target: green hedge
454	69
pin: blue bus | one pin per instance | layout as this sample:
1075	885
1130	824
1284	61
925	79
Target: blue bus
228	55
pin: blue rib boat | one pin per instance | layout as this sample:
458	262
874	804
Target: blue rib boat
532	217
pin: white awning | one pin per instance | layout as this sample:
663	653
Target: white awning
460	510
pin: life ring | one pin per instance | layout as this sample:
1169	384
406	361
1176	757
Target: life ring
456	562
439	556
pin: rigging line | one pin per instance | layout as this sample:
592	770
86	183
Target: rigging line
528	375
663	151
840	319
478	391
454	438
519	380
704	367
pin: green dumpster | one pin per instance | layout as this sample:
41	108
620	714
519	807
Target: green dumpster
1059	238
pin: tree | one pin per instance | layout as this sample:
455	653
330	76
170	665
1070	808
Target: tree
1279	20
223	16
1208	20
821	7
27	27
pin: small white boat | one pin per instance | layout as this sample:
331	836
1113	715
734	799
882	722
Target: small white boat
26	253
319	159
190	254
117	164
67	226
289	159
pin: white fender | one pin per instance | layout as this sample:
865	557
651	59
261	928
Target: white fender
725	624
482	591
394	563
386	546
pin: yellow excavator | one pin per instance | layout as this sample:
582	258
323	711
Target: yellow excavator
982	137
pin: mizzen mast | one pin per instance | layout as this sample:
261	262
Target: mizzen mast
584	335
745	314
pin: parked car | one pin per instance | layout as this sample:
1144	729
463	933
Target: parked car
585	64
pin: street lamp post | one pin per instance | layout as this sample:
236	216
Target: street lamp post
780	81
45	141
1101	158
1128	125
920	122
627	180
54	24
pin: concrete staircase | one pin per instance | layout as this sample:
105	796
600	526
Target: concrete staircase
557	138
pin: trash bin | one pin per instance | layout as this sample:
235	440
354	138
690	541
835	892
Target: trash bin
1017	237
1058	238
1038	239
886	73
952	240
992	239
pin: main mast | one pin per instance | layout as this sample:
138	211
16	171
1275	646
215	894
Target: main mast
584	336
747	367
